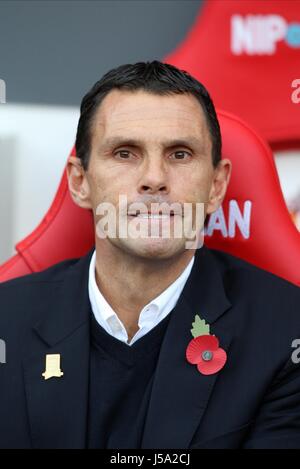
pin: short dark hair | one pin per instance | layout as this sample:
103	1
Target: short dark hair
153	77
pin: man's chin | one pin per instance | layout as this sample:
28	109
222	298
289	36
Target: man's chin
153	248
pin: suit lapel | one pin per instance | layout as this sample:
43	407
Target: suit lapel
180	393
57	407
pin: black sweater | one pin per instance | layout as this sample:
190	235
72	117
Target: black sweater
121	378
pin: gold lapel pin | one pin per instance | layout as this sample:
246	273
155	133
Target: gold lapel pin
52	366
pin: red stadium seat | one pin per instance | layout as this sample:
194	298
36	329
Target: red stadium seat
246	54
253	222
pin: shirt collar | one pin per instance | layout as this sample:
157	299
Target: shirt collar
150	315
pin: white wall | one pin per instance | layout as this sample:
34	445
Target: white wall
34	144
7	172
288	166
41	137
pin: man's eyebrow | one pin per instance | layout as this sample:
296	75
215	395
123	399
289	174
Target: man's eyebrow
117	141
171	143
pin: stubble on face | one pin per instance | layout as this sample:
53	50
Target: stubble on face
150	129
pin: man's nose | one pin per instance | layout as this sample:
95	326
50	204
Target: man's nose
154	177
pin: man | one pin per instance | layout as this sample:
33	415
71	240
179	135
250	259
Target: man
149	341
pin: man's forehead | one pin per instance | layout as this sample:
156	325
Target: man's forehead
121	110
121	105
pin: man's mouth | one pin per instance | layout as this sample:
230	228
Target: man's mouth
152	215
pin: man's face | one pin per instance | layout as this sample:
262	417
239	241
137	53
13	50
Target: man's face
151	149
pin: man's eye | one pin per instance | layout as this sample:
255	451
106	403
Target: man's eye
123	154
181	155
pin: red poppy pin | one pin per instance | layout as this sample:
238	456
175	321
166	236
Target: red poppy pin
204	350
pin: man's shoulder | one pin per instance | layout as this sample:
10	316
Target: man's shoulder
250	280
54	273
232	263
23	298
260	299
264	310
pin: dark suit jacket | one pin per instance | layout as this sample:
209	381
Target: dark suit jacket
253	402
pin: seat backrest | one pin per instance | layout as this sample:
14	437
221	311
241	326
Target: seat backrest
247	55
253	222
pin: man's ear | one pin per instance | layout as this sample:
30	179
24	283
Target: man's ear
78	184
219	185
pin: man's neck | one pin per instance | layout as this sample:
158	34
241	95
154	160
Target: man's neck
130	282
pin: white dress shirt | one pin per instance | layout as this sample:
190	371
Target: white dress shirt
151	314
